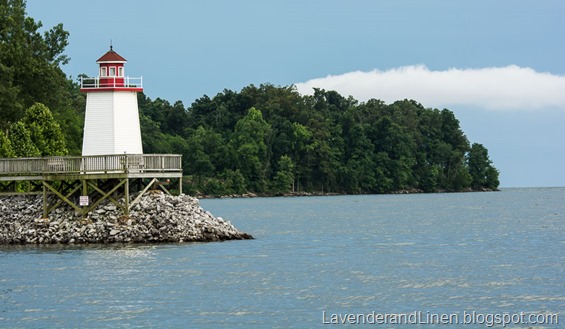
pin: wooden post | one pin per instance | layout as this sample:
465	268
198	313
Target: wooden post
44	201
126	198
180	178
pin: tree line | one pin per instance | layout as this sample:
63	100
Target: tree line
263	139
273	140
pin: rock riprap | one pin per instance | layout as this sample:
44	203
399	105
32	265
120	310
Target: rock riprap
157	217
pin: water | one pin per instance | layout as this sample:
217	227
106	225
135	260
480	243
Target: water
492	253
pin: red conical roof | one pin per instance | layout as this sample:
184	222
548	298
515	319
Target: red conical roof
111	56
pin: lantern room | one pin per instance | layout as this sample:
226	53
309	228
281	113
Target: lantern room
111	69
111	75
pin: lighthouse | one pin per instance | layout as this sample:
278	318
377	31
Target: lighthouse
111	124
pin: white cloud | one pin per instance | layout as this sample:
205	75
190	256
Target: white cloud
505	88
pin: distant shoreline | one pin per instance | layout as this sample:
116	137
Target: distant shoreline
307	194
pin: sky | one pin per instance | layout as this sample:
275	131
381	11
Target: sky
498	65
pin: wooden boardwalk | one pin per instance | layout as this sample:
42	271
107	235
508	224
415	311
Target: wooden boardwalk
83	182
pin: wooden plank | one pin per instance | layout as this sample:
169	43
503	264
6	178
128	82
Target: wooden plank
162	187
134	202
20	193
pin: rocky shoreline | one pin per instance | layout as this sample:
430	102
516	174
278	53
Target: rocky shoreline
156	218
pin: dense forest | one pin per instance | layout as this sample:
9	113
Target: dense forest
267	140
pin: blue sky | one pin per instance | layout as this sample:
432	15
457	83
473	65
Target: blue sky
498	65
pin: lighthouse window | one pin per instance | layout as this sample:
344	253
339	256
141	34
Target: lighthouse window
120	71
112	71
103	72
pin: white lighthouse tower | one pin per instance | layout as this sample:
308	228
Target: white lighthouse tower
111	124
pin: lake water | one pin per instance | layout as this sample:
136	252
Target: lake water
315	261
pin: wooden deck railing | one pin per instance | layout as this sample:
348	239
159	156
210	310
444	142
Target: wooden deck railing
126	163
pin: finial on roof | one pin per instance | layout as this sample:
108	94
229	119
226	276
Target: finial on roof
111	45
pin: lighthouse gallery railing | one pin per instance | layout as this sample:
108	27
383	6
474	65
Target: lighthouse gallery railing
111	82
127	163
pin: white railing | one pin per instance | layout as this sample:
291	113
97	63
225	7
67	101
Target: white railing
111	82
126	163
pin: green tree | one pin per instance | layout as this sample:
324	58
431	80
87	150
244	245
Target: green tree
430	159
176	119
397	144
151	135
300	139
220	113
29	63
282	183
44	131
6	150
22	144
249	142
483	174
492	178
71	118
234	181
199	161
384	180
324	153
358	175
